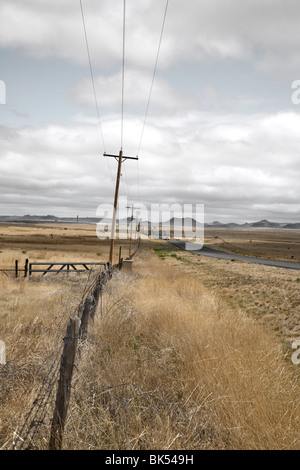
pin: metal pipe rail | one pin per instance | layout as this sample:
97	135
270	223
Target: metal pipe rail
64	267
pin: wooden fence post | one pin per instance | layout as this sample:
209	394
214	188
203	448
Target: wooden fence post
26	268
16	268
97	294
64	384
85	314
120	254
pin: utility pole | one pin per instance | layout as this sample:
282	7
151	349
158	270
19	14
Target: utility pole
130	239
131	221
120	158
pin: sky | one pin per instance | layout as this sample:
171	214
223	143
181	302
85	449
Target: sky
223	122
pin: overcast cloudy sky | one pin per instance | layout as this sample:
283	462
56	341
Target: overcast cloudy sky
222	129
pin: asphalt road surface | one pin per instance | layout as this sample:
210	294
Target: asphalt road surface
206	251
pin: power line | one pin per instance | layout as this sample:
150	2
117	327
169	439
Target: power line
122	101
123	72
138	181
154	73
123	79
92	75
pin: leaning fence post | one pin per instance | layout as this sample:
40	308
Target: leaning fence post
84	314
120	259
96	294
26	268
64	384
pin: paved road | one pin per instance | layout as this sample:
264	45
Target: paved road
206	251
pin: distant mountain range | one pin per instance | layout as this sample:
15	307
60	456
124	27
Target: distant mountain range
176	222
47	219
260	224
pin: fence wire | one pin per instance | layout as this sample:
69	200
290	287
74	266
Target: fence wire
36	416
24	438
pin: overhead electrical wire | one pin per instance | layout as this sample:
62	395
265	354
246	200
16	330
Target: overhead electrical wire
154	74
123	81
123	73
124	182
94	88
92	75
150	95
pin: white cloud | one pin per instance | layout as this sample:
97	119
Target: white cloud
56	30
233	160
197	145
137	84
264	32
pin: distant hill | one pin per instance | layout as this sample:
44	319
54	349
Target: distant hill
216	223
266	223
174	222
260	224
46	219
292	226
187	221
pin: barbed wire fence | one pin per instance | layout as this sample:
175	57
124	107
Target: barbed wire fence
24	438
37	421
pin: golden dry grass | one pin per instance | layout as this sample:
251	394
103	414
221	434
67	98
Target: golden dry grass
33	318
268	294
265	243
53	242
168	363
170	366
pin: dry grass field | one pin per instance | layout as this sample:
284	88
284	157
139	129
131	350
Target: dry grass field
183	354
51	242
268	294
266	243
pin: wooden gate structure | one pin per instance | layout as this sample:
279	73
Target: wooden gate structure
47	267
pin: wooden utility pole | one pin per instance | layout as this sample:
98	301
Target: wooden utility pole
130	239
131	222
120	158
